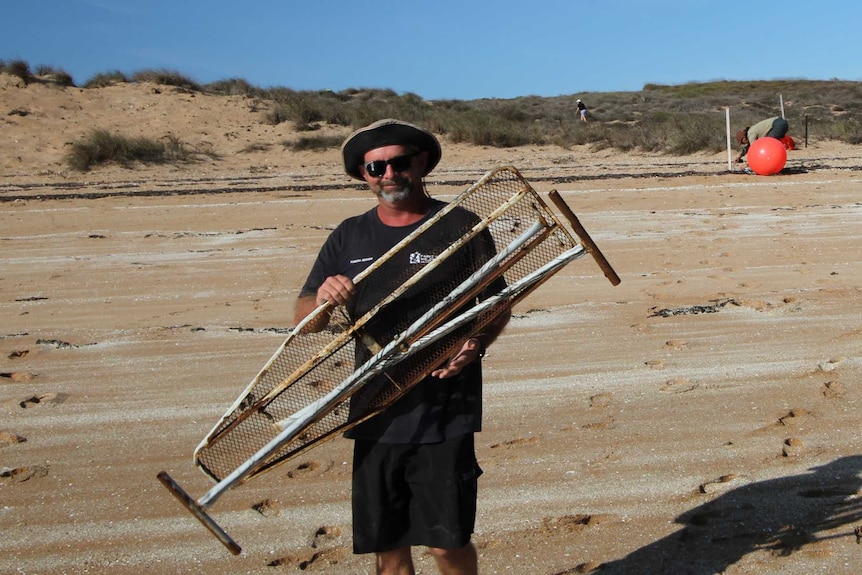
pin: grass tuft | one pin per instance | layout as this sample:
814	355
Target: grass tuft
106	79
167	78
101	147
18	68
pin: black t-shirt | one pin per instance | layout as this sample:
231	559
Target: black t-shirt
434	409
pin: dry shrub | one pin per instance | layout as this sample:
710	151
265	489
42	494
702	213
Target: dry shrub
102	147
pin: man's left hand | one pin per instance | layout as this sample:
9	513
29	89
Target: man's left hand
469	352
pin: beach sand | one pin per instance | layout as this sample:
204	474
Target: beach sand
701	417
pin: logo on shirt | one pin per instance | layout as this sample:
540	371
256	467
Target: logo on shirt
420	259
360	260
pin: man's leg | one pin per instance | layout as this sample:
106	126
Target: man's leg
395	562
463	561
443	509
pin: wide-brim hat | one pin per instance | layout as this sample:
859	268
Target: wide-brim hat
388	132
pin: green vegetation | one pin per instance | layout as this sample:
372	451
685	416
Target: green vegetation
106	79
167	78
103	147
675	120
43	74
232	87
679	120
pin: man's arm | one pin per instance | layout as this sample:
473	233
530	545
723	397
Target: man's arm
304	306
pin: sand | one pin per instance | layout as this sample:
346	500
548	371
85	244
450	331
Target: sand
701	417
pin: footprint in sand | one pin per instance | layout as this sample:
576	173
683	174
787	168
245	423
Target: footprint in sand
312	559
678	385
310	469
18	376
833	390
829	365
574	523
655	364
8	438
601	400
268	507
606	423
325	534
792	416
44	399
789	419
793	447
24	473
518	441
641	327
723	483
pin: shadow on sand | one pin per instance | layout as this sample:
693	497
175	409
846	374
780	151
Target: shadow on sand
779	515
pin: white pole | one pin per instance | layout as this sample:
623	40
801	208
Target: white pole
729	150
781	103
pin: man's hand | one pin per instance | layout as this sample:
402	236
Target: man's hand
469	352
336	290
474	348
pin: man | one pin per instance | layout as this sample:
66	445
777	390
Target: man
582	110
775	127
414	465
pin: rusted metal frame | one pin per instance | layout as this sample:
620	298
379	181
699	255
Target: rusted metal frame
355	328
314	411
514	297
551	225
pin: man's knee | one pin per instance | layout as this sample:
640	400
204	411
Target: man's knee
397	561
465	553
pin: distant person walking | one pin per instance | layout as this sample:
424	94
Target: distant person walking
775	127
582	111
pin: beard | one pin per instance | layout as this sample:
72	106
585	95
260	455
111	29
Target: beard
398	195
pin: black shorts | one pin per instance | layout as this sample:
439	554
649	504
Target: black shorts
405	495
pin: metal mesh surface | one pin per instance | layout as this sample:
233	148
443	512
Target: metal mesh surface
308	366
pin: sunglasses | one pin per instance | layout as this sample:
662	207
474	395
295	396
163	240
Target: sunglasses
377	168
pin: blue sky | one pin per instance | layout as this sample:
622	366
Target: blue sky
442	49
